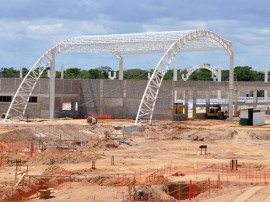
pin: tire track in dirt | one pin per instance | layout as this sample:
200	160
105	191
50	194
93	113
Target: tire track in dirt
249	193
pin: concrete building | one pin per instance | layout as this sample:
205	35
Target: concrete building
121	98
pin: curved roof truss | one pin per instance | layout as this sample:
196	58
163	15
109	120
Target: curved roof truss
193	69
149	98
122	44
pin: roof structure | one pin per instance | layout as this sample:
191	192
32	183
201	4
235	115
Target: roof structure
138	43
169	43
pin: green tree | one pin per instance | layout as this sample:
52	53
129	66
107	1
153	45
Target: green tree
72	73
9	72
225	75
135	74
201	75
244	73
169	75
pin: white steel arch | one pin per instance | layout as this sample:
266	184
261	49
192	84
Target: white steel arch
204	66
119	45
208	39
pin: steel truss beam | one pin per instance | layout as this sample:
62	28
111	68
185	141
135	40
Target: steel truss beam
21	98
193	69
119	45
149	98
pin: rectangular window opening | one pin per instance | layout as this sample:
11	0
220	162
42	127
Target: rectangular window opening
5	98
66	106
33	99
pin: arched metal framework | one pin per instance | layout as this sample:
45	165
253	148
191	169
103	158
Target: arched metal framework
193	69
205	40
120	45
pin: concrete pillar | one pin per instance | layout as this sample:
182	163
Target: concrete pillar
175	71
236	102
266	81
52	85
219	80
125	99
121	68
174	96
231	81
21	71
149	75
186	102
62	72
207	101
112	77
194	103
101	107
255	100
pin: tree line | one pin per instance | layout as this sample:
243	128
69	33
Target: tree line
241	73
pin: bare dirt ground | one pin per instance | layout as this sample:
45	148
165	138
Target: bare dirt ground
159	160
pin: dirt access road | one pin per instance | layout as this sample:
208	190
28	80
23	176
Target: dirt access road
167	151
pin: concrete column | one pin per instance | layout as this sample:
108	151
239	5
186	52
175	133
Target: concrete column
21	71
231	81
101	107
219	80
52	85
207	101
62	72
174	96
236	102
175	71
266	81
255	100
121	68
186	102
112	77
194	103
125	99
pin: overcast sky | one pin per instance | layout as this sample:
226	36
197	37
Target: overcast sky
28	28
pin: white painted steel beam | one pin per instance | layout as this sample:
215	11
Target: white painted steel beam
119	45
188	40
193	69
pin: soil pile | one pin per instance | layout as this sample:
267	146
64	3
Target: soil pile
15	193
111	181
56	156
56	170
102	144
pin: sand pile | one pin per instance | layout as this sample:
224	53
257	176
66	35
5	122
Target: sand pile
56	156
